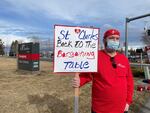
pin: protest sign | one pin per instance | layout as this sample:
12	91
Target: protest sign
76	49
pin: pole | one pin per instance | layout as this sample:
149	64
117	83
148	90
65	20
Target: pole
76	97
17	52
126	30
141	59
138	17
126	37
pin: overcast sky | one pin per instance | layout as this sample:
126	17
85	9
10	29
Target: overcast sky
23	18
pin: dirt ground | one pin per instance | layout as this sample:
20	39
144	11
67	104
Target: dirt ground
43	92
26	92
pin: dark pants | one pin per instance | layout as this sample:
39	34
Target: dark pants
126	112
95	112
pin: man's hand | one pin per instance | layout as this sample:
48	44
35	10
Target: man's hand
126	107
76	82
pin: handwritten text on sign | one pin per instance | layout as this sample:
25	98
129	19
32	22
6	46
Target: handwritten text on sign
75	49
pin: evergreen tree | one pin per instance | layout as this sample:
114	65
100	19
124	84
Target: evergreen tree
13	48
2	47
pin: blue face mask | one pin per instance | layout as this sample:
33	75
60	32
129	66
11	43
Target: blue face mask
114	45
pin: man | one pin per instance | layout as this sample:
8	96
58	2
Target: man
112	85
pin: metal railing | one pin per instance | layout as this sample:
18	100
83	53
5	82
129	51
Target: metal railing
146	68
139	64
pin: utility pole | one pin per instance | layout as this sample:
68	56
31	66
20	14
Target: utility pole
126	29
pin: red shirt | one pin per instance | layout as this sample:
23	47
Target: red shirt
112	87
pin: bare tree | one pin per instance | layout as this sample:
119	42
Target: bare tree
145	38
34	38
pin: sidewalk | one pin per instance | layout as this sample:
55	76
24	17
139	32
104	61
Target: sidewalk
146	107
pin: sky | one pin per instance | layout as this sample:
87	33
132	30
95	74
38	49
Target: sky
20	19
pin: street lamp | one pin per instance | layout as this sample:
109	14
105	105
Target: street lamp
126	30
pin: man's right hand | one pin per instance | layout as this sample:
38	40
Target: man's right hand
76	82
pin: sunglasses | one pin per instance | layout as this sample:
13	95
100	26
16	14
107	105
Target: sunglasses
114	65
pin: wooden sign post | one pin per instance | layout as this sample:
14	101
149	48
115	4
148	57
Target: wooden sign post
76	50
76	97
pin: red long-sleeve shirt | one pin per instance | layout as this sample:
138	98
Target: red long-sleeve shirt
112	87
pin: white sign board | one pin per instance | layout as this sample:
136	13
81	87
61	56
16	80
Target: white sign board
76	49
148	53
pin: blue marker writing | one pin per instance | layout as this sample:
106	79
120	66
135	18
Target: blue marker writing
64	35
76	65
84	36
